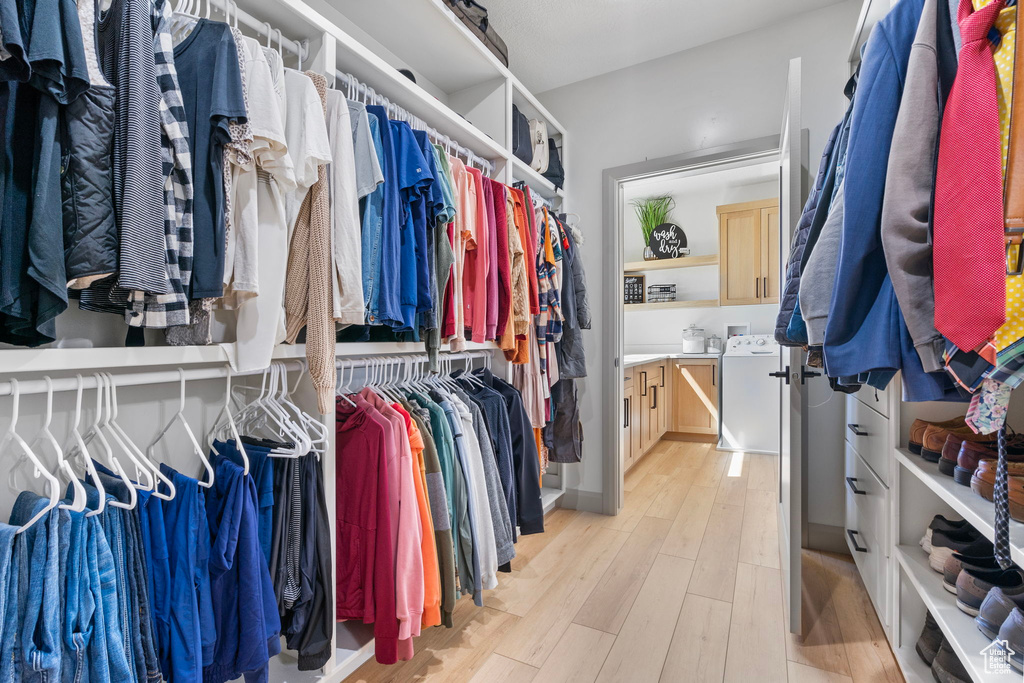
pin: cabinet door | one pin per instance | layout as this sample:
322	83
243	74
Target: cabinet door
664	399
635	421
695	398
644	387
627	416
740	257
770	262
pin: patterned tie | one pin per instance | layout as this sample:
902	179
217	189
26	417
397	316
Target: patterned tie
969	255
1002	506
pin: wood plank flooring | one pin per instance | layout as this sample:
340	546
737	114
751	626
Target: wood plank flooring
683	585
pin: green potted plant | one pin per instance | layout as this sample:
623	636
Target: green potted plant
652	212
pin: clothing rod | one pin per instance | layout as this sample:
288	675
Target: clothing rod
414	358
356	85
230	9
132	379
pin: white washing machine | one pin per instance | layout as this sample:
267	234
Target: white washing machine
750	411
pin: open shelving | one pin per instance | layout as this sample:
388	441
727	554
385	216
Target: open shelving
658	305
978	512
958	627
670	263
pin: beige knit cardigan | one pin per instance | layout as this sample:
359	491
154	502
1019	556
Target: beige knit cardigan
308	295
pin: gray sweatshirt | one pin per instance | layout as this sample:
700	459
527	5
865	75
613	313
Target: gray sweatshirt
819	274
906	230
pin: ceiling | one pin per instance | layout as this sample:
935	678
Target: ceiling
552	44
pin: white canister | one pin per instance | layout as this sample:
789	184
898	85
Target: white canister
693	339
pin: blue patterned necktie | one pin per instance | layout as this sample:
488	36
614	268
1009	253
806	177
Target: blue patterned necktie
1002	506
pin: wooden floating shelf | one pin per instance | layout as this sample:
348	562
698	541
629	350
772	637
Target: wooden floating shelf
670	263
700	303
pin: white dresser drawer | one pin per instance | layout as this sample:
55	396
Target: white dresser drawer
867	500
867	431
874	398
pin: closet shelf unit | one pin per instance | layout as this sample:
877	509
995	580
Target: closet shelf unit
959	628
979	513
670	263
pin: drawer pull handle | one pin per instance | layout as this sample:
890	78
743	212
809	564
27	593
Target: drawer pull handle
857	431
856	546
851	482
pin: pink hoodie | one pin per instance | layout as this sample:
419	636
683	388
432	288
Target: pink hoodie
405	521
477	288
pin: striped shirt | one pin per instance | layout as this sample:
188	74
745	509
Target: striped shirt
126	57
171	309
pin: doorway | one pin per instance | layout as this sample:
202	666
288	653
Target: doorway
732	178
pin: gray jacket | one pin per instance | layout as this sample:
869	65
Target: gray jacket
819	274
906	230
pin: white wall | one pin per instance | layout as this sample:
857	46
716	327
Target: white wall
724	92
697	198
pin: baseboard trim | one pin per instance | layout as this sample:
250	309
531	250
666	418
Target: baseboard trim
828	538
695	438
585	501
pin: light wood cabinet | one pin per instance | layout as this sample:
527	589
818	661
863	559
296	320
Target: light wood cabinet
695	396
646	409
749	264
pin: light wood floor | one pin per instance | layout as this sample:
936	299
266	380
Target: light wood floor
683	585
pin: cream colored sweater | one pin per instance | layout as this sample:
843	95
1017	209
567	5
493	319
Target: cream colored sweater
308	296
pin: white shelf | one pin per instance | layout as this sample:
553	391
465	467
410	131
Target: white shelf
531	107
980	513
912	667
959	628
299	20
345	664
658	305
538	183
549	498
147	357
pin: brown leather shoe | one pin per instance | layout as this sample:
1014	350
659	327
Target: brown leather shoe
950	452
935	438
918	427
983	482
972	452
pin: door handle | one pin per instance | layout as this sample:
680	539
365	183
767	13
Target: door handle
642	372
852	483
654	403
856	546
805	373
625	419
857	431
783	374
662	377
765	288
757	288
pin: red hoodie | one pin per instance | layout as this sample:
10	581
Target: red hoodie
365	576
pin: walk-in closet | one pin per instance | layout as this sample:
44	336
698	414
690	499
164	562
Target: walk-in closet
509	341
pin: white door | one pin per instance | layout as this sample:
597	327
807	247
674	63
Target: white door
793	391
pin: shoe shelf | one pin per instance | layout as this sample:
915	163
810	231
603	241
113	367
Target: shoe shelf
980	513
959	628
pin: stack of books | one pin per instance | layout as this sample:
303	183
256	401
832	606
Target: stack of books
661	293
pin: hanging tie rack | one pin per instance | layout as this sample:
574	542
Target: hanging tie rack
357	88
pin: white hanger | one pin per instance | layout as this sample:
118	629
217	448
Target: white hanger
179	417
77	444
102	421
225	412
40	469
45	436
314	428
144	470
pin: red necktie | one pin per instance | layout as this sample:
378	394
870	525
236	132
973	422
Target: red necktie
969	254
